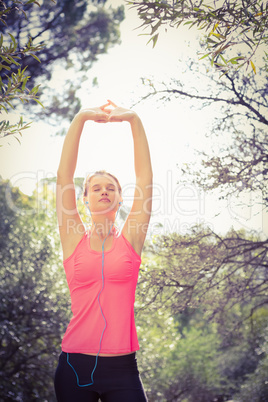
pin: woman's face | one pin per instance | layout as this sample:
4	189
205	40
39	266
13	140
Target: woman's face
103	194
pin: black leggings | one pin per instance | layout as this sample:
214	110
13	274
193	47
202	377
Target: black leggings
116	379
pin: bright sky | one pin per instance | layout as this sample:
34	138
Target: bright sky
174	131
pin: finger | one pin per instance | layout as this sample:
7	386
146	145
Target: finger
112	103
104	106
107	111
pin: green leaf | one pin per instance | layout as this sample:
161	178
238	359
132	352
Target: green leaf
223	59
3	66
154	39
6	60
24	83
206	55
24	13
156	27
14	41
3	21
9	104
3	107
35	90
203	26
212	41
35	57
39	103
23	71
235	60
32	1
13	61
219	64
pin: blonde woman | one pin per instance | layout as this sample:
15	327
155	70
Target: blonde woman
98	358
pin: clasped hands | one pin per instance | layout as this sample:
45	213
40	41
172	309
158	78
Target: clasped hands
109	112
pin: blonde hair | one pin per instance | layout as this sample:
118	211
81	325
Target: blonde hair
99	173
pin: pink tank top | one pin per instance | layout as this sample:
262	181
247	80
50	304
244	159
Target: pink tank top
84	276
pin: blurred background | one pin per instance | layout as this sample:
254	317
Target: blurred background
197	76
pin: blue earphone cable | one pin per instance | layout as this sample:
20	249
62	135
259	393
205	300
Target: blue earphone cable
105	322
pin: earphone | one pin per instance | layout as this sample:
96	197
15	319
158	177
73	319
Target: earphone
105	322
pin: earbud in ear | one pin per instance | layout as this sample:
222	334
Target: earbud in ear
120	203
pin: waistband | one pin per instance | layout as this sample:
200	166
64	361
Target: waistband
105	360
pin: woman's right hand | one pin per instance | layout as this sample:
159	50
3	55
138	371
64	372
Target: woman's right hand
96	114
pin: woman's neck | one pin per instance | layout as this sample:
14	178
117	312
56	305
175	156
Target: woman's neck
101	227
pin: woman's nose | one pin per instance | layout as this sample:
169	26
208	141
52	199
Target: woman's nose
104	191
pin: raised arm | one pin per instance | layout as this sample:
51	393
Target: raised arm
136	226
70	224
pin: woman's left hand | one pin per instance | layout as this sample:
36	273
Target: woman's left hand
119	114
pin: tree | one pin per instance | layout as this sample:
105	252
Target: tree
178	361
228	26
202	319
219	273
225	276
13	87
65	33
34	296
237	162
255	388
236	166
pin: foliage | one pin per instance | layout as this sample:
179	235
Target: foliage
202	269
237	159
14	79
222	277
255	388
13	129
187	353
65	33
226	25
34	297
178	366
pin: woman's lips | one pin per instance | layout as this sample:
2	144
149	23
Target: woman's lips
104	200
